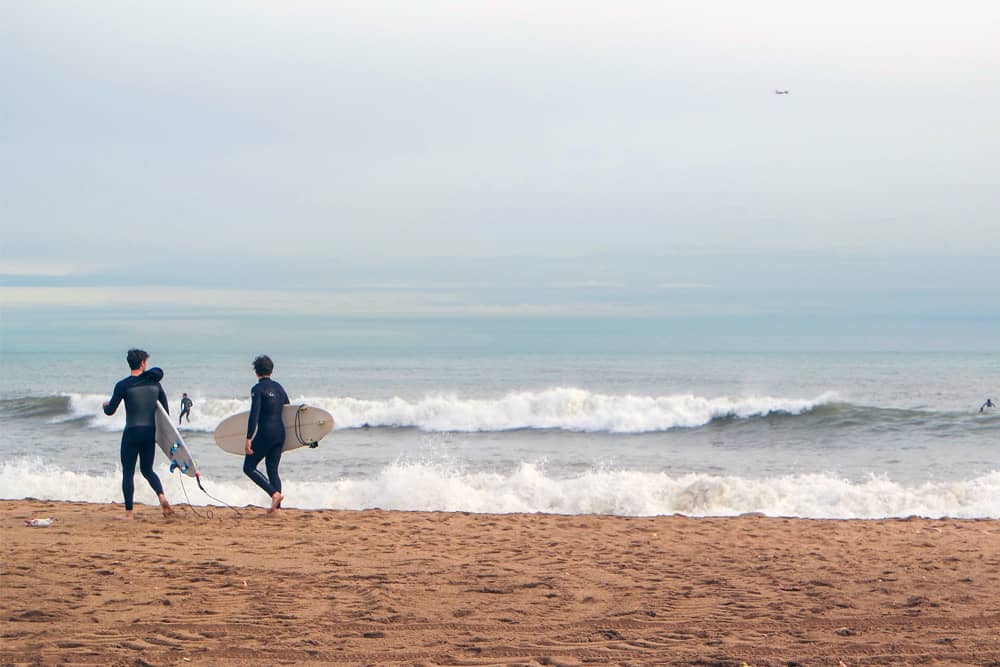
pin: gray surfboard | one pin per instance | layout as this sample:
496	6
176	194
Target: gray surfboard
172	444
305	426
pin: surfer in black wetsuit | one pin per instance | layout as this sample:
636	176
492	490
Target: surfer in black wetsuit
140	391
186	404
265	431
988	404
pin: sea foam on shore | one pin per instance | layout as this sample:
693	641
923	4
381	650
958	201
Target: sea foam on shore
529	488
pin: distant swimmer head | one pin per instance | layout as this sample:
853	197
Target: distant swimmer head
263	365
135	358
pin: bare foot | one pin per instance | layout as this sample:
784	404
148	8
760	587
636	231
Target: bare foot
168	511
275	502
129	516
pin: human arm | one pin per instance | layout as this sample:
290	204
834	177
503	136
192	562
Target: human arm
162	398
116	398
254	417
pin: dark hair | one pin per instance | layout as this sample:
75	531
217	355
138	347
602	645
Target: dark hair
135	357
263	365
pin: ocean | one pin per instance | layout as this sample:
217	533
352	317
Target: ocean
483	427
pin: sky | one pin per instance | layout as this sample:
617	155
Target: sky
565	145
495	129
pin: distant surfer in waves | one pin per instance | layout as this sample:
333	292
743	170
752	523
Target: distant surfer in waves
265	431
988	404
186	404
140	391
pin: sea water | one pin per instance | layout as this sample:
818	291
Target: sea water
643	432
653	388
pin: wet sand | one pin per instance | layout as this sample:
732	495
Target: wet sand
414	588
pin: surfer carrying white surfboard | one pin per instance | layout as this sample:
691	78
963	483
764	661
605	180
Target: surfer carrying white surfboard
265	431
141	391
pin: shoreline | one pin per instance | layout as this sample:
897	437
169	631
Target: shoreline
435	588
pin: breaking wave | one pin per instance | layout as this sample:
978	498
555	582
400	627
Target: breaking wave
568	409
530	488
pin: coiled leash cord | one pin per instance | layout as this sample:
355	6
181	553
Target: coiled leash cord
312	444
208	514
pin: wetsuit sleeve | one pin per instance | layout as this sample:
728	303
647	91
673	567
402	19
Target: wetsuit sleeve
116	398
254	412
163	400
286	396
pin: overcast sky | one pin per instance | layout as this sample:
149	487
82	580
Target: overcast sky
199	132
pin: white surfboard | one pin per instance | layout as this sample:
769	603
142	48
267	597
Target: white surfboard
305	426
172	444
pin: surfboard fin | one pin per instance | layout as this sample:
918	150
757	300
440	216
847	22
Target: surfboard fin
313	445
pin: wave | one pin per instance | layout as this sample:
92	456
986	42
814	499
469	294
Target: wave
568	409
87	409
529	488
35	406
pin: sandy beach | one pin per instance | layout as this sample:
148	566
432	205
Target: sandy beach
409	588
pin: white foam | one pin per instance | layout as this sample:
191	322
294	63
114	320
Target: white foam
569	409
206	413
528	488
563	408
89	407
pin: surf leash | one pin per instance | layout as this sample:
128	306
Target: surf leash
313	444
197	477
184	467
208	513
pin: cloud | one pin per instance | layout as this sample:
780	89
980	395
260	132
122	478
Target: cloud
27	267
259	129
191	303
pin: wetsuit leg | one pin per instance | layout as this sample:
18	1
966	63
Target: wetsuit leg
139	443
271	462
147	451
129	454
250	470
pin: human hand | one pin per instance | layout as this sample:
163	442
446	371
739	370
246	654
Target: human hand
248	448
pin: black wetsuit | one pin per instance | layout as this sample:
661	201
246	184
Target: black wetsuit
140	393
186	404
267	429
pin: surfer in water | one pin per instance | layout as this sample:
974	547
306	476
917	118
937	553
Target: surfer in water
265	431
186	404
140	391
988	404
